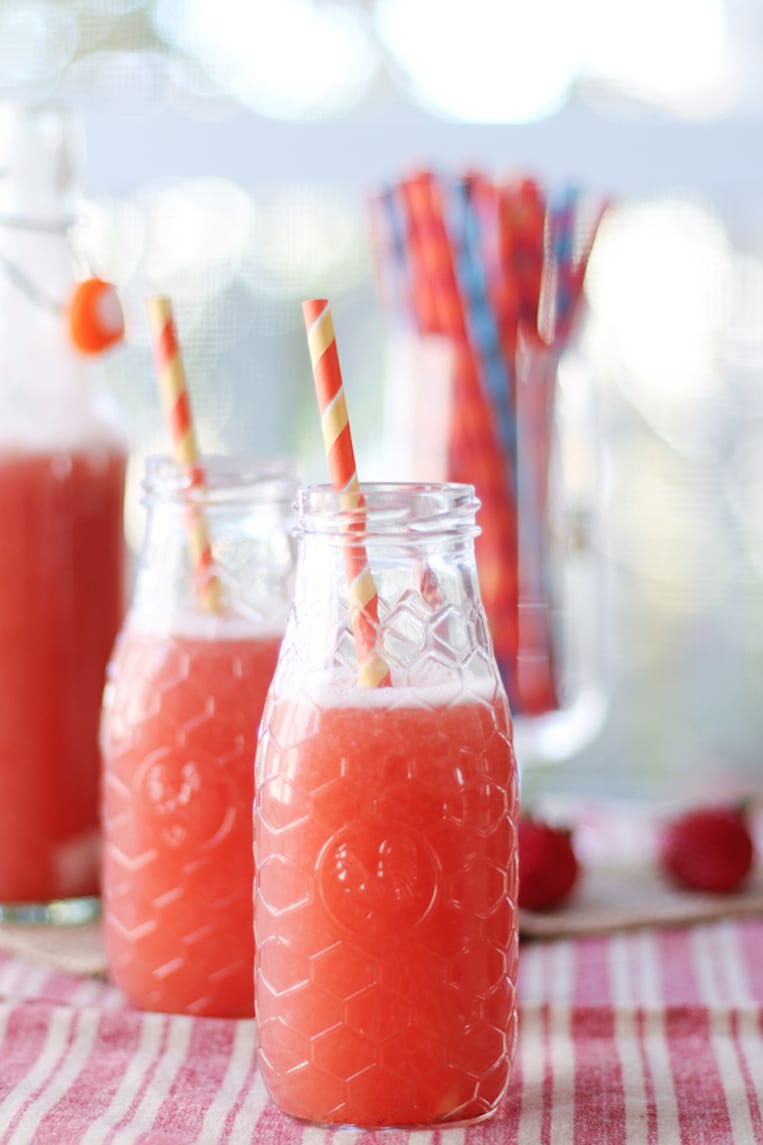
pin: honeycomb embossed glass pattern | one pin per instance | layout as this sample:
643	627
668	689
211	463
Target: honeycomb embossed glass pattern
385	830
182	706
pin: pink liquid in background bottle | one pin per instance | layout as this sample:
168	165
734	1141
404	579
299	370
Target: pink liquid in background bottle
386	919
179	736
61	603
181	714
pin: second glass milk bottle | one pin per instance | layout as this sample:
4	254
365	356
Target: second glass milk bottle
182	706
385	826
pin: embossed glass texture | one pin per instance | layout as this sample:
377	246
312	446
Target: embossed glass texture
182	705
385	829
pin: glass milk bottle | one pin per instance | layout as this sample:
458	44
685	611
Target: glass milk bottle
62	466
385	827
182	706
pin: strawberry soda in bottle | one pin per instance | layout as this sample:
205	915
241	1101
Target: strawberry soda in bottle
183	703
385	828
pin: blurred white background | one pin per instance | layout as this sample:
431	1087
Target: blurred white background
231	149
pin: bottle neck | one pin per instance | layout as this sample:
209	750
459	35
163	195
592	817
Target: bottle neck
417	605
36	267
244	511
400	529
40	156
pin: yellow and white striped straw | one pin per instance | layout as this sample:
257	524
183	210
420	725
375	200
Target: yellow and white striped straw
373	671
185	446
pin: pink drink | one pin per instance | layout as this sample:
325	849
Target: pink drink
386	921
61	603
179	735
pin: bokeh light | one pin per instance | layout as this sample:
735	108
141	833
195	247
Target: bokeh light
294	59
38	41
493	63
672	54
660	284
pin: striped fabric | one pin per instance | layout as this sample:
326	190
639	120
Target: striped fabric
638	1038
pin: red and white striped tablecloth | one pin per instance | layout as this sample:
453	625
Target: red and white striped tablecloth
640	1037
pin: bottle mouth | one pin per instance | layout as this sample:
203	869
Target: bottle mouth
399	511
220	480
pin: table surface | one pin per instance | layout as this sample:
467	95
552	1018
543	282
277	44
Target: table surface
652	1036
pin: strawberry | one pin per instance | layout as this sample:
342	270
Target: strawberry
548	866
707	849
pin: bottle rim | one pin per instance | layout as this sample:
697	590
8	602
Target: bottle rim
390	510
220	479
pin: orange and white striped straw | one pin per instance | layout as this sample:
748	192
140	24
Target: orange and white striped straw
185	446
373	671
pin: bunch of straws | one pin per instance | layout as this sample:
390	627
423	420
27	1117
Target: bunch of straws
498	269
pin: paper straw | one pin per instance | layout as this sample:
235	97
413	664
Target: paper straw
480	317
177	406
536	677
572	222
474	446
388	243
373	671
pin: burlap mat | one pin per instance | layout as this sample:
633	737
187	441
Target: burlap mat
622	895
72	949
621	886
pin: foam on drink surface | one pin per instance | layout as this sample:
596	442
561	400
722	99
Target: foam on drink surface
194	624
420	695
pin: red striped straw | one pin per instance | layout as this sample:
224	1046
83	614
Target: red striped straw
373	671
474	448
177	407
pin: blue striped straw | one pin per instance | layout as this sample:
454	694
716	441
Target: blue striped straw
465	231
395	272
558	295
